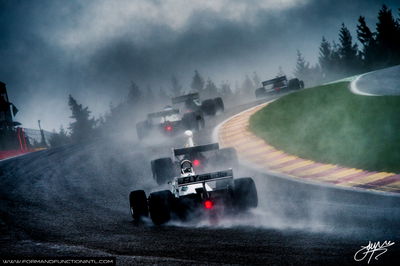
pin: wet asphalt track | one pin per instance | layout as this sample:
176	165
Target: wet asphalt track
74	201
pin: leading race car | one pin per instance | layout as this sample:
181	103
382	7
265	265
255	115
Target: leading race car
192	103
169	122
195	195
203	157
278	85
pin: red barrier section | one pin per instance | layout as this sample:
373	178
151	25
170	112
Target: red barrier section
8	154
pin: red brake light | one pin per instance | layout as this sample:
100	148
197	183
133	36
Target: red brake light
208	204
168	128
196	162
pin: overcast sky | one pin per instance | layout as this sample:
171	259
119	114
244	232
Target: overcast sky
93	49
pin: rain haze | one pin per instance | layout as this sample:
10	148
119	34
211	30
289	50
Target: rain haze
94	49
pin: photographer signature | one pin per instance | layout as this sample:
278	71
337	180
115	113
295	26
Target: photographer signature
370	250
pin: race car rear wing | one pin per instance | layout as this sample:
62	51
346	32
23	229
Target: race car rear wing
203	178
195	149
183	98
275	80
163	113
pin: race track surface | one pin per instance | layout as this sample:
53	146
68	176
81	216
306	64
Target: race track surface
380	82
74	201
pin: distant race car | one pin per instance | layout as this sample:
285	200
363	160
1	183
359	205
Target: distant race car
203	157
192	103
279	84
169	122
195	195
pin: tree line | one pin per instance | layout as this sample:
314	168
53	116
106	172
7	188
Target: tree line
379	48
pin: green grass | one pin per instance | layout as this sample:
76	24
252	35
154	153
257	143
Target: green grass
329	124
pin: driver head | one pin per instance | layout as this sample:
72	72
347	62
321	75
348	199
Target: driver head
187	168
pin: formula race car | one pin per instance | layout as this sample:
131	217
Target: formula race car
195	195
203	157
192	103
279	84
169	122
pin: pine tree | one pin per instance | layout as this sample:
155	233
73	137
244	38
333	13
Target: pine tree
176	86
256	79
210	90
325	58
247	84
134	95
226	90
348	52
82	128
367	39
197	82
388	37
59	139
302	70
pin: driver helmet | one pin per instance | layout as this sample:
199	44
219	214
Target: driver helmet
187	168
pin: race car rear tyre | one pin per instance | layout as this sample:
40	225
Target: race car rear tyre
209	107
193	121
260	92
138	204
163	170
245	193
141	129
228	157
220	104
160	205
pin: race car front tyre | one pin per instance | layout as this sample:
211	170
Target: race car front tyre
163	170
220	104
138	204
260	92
245	193
160	205
209	107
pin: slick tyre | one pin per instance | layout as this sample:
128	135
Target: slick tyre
245	193
260	92
209	107
160	206
219	104
138	205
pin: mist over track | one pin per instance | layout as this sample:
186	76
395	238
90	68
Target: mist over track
74	201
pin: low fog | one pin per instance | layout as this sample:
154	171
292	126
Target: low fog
94	49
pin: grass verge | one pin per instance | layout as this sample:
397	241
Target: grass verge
329	124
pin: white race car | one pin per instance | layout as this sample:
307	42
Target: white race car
193	195
204	158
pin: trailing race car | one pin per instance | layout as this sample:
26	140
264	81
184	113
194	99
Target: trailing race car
169	122
279	84
192	103
203	157
195	195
